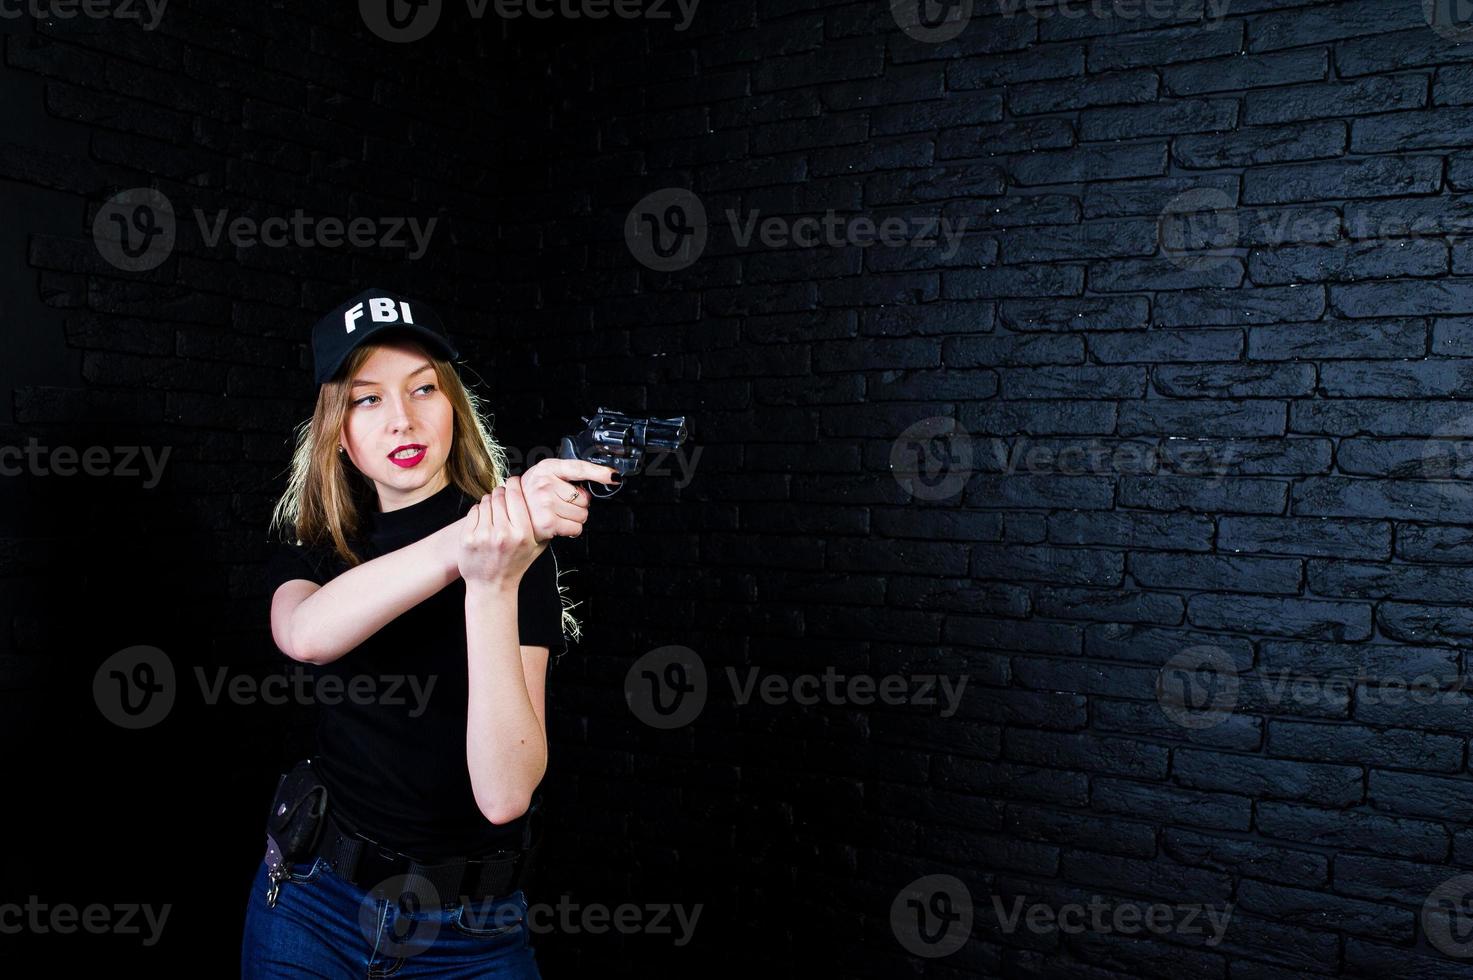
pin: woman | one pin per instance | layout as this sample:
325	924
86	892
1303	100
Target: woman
421	594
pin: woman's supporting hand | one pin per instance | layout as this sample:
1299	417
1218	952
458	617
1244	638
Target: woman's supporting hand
557	507
499	545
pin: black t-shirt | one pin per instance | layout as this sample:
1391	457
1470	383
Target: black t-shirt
394	759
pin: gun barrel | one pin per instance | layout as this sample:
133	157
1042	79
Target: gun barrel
664	434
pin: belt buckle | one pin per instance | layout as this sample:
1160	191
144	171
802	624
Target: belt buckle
376	865
514	861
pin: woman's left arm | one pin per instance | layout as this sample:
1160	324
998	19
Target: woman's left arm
506	726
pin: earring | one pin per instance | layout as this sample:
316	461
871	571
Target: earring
341	450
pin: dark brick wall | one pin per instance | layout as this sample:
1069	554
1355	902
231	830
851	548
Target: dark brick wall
1185	398
1273	389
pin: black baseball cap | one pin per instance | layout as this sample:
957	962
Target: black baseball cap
366	315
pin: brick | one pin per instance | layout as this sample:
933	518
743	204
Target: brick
1275	779
1353	830
1400	748
1307	618
1300	906
1327	181
1216	573
1256	145
1248	859
1219	811
1115	756
1314	537
1295	103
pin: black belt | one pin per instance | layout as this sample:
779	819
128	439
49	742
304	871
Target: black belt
378	869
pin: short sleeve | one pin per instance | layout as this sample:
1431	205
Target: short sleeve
540	606
293	561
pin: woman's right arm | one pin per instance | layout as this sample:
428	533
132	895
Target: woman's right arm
317	624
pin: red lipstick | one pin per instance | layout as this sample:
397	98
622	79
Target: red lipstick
410	459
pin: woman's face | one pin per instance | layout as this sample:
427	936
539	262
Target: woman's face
399	425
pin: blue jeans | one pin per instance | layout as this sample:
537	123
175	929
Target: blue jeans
323	926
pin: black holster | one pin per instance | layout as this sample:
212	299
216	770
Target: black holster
295	821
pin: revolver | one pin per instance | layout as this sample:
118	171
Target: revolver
621	441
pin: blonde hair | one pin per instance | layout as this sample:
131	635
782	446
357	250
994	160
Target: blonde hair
325	498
